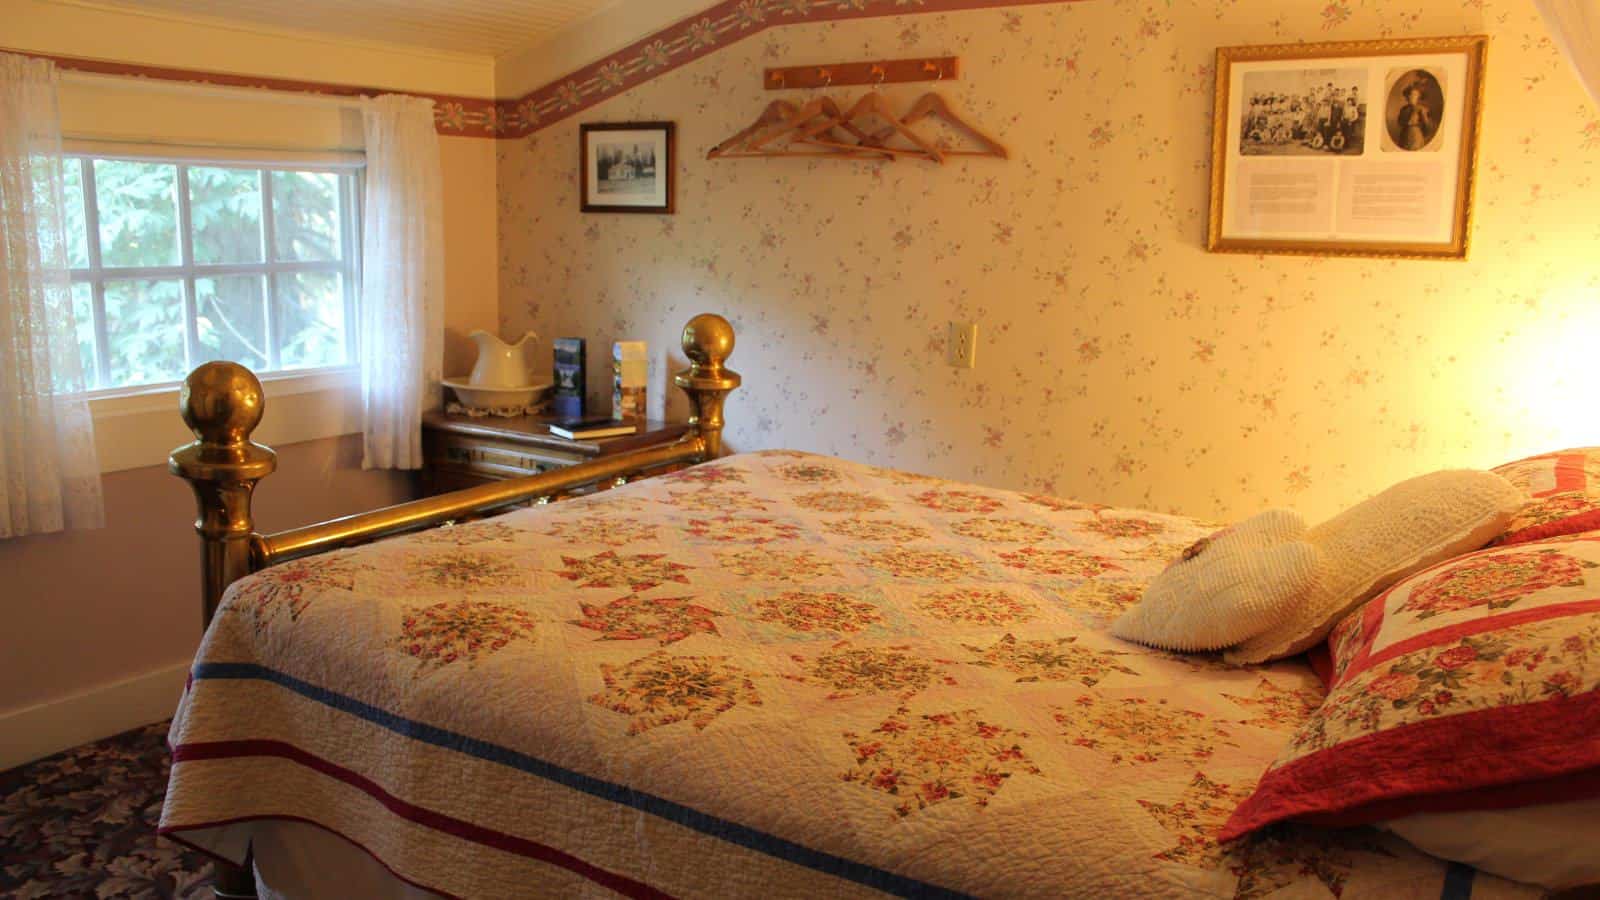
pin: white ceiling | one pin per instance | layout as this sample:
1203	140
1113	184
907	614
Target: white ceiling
481	27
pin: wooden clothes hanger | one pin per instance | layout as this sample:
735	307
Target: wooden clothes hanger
820	123
871	104
819	116
776	111
932	105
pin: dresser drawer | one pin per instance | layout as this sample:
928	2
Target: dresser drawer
460	452
450	450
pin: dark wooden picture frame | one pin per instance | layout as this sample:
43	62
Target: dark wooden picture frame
648	157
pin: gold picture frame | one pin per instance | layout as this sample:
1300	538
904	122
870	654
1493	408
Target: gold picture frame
1295	167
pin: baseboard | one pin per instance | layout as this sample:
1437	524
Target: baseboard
35	732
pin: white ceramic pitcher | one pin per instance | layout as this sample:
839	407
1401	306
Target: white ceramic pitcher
501	365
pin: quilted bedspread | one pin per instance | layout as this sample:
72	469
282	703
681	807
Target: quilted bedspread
776	675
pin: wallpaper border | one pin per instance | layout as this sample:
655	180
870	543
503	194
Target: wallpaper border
700	35
646	59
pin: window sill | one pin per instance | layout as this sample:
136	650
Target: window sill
137	427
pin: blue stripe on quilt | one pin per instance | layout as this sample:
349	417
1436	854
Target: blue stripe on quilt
722	829
1458	882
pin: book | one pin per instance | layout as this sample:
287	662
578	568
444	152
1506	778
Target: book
571	378
589	429
630	372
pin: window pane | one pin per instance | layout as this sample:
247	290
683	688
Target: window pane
138	212
144	323
310	319
305	216
225	212
72	216
83	324
232	319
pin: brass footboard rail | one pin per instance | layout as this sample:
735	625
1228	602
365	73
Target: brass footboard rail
222	404
361	528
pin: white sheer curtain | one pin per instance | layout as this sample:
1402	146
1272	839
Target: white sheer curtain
49	476
402	279
1575	25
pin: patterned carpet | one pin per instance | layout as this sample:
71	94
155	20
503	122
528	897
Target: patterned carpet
83	824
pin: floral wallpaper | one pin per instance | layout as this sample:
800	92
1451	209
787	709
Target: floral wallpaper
1117	361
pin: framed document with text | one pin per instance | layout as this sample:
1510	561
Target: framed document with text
1364	148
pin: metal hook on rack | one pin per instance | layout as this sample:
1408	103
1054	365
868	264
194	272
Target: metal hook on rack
881	71
826	73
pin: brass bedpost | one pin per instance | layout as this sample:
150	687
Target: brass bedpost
708	342
222	404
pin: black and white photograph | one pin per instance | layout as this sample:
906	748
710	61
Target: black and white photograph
1303	112
1412	112
627	166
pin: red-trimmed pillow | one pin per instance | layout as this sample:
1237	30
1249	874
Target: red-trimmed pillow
1565	487
1474	684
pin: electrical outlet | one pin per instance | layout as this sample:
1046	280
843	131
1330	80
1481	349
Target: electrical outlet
961	350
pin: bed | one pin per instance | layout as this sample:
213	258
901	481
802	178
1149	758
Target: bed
772	674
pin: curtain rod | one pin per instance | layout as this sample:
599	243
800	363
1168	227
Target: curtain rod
114	141
126	82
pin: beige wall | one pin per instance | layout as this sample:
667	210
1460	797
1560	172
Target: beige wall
92	607
85	609
589	39
1117	360
160	39
472	287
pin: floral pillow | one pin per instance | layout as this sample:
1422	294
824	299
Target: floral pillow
1473	684
1565	487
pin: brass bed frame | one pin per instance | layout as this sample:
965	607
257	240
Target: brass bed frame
222	404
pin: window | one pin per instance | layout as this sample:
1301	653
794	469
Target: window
174	264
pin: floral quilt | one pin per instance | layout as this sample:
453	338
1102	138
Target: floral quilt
777	674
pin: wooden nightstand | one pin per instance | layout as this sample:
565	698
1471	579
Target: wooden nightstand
463	451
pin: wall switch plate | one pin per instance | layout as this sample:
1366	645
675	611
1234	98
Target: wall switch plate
961	350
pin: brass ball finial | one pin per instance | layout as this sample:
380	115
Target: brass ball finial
708	340
221	403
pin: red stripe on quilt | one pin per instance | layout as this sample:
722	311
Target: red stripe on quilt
1367	659
1569	474
411	812
1573	524
1372	611
1422	761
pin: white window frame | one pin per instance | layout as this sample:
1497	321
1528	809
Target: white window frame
187	270
136	426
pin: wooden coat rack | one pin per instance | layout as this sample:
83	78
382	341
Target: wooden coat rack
888	71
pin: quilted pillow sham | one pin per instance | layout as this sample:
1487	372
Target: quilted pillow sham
1469	685
1565	487
1379	541
1230	586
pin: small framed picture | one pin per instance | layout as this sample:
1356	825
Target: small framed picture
1362	148
627	166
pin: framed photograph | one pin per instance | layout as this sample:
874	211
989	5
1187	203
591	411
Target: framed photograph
626	166
1366	148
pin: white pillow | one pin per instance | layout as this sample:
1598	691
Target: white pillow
1230	586
1372	545
1552	845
